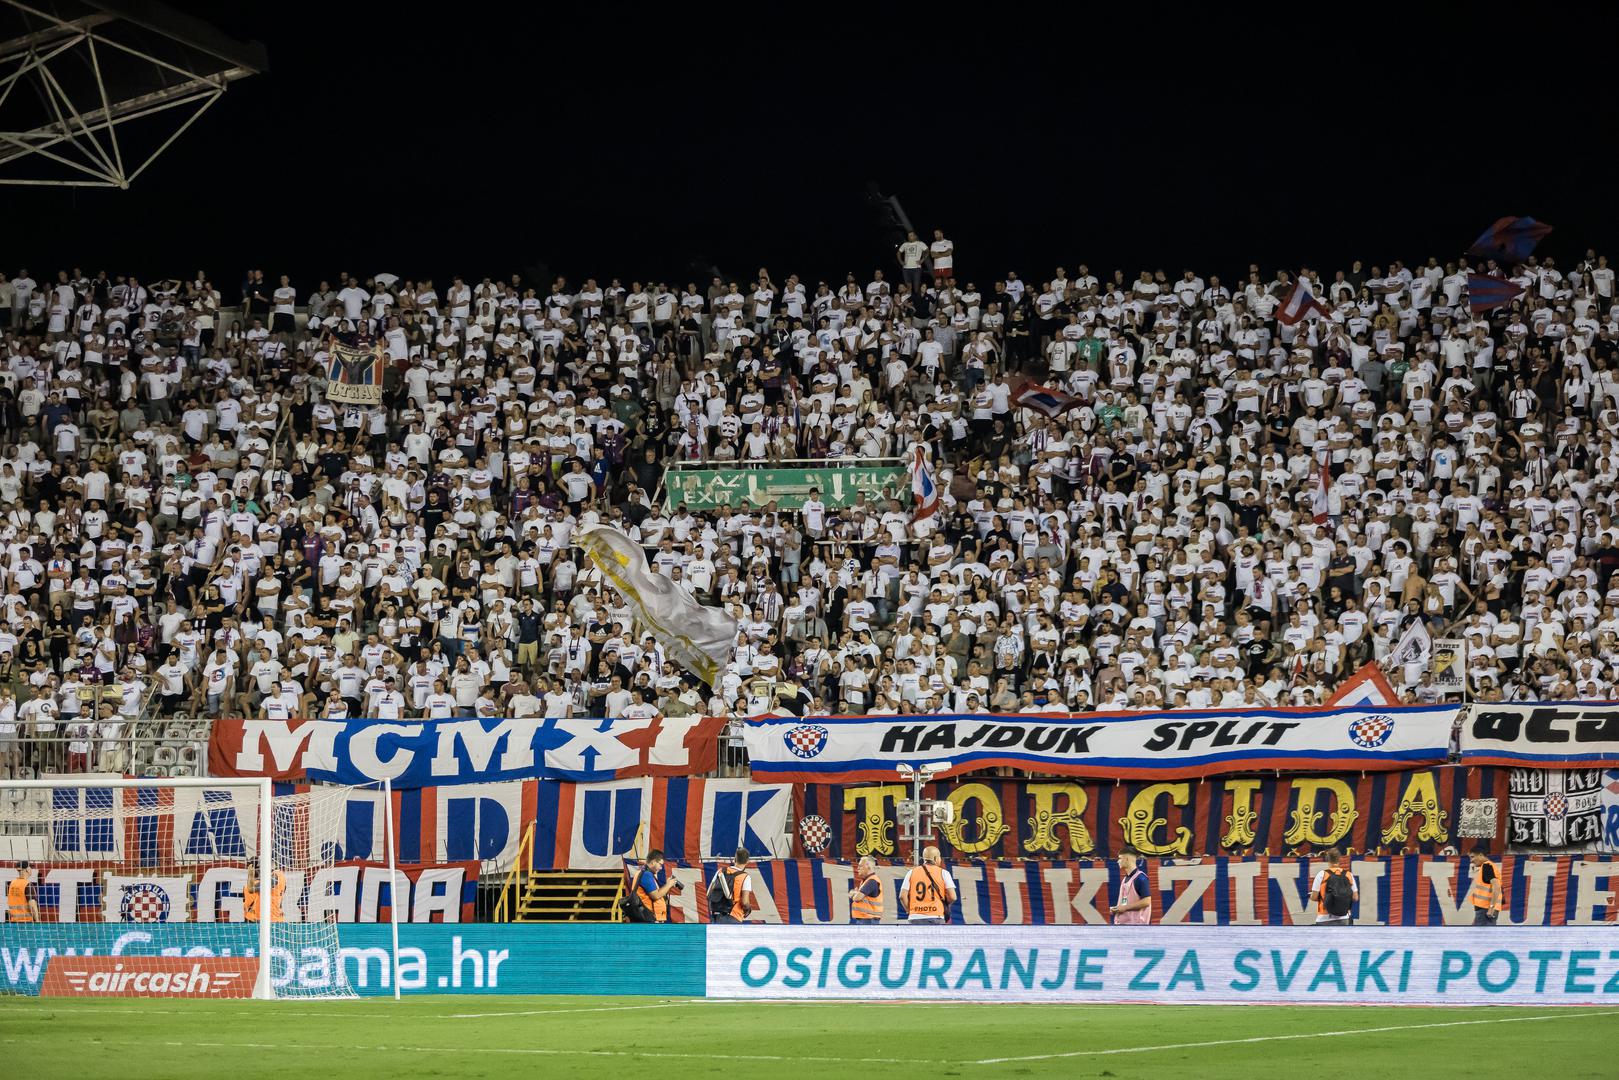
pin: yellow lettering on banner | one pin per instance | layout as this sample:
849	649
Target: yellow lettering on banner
1421	796
1240	823
1306	796
990	823
1140	824
871	803
1047	819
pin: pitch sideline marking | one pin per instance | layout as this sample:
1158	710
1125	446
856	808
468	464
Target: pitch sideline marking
1286	1038
548	1052
558	1012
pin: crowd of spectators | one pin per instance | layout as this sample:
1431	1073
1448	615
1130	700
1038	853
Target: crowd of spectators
191	527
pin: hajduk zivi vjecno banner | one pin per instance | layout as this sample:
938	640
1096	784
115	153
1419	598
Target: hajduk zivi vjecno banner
832	749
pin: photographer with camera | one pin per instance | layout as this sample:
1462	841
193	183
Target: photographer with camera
649	896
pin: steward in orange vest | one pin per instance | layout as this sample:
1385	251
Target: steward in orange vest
22	903
1487	891
866	898
250	897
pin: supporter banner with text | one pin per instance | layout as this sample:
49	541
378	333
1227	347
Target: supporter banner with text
1139	964
1564	809
1420	810
1172	745
422	753
1562	734
349	891
1406	890
789	489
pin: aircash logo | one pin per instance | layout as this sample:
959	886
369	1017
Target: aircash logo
149	976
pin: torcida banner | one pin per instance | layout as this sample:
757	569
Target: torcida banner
1418	810
1171	745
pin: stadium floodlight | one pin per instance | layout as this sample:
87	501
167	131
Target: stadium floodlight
93	91
146	887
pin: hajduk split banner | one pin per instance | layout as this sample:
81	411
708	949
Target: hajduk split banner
1554	734
1172	745
1407	890
422	753
1420	810
1147	966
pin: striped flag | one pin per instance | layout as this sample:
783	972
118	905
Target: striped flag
1485	292
1300	305
1510	238
923	489
1043	399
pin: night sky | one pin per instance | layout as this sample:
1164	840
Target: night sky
631	144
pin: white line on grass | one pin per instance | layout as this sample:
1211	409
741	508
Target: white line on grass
560	1012
543	1052
1284	1038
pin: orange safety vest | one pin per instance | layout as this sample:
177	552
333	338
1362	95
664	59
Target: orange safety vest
658	907
924	898
250	900
1321	901
739	910
868	907
17	901
1484	894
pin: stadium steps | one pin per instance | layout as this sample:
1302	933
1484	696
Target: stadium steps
569	896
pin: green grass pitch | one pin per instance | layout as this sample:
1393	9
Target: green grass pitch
468	1037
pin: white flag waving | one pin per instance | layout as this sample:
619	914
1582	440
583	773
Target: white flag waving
1415	646
700	639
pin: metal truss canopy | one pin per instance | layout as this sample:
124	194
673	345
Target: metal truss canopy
91	93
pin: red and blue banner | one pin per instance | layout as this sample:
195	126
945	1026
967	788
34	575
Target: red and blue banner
463	750
1416	811
1407	890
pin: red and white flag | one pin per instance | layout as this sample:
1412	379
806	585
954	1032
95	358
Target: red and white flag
924	491
1300	305
1368	686
1323	485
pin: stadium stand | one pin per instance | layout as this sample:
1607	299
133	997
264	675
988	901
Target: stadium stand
1152	492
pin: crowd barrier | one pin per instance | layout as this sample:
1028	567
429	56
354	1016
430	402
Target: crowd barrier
1183	965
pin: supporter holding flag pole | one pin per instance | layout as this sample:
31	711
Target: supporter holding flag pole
924	490
699	638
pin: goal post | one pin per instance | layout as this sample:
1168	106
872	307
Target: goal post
185	886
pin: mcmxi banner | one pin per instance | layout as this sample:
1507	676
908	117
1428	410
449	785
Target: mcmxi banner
1148	965
423	753
1176	745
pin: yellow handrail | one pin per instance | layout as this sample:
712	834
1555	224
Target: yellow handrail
623	879
525	855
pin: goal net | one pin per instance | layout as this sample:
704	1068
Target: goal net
178	887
